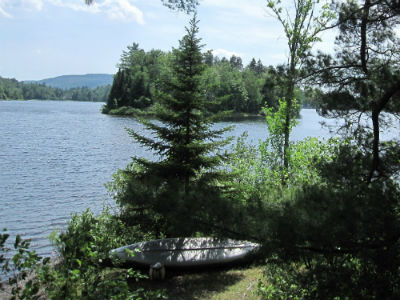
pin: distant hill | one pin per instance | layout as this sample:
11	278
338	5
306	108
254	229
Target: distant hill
72	81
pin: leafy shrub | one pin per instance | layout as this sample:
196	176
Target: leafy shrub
281	281
19	268
256	189
338	238
83	271
94	235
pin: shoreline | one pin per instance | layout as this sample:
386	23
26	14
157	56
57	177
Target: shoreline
126	111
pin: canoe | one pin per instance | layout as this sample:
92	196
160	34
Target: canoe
186	252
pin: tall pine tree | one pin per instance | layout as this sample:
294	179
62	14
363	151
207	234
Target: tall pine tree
185	179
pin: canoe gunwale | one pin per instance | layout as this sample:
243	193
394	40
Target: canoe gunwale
172	252
191	249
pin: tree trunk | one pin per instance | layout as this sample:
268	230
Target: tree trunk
375	145
289	114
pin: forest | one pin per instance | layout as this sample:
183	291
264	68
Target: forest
229	85
12	89
325	212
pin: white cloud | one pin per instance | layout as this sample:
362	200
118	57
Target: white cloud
36	5
122	10
13	5
77	5
223	52
3	13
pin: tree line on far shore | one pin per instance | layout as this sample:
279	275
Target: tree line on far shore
12	89
228	84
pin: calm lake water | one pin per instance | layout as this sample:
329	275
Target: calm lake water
55	158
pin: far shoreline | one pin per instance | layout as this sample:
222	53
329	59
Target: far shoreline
131	112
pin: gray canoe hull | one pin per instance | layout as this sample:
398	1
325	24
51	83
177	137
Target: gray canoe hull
186	252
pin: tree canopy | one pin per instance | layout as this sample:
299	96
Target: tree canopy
363	77
229	85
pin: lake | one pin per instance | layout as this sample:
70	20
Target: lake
56	156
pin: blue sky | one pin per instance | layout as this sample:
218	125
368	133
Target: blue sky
47	38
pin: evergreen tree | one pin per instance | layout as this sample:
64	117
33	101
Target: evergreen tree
236	62
208	58
252	65
134	56
260	67
116	88
136	81
183	181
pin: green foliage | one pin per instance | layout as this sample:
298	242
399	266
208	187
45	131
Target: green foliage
327	233
256	187
324	238
230	88
12	89
187	6
302	27
327	212
371	73
82	272
87	233
161	194
228	85
364	73
335	234
124	111
273	87
98	94
301	156
136	81
281	281
276	122
20	268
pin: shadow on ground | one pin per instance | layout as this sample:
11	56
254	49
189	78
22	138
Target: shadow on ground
207	284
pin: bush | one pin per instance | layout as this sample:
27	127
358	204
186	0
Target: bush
256	189
20	268
83	271
281	281
339	238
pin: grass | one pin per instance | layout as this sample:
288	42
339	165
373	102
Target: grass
232	284
219	284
